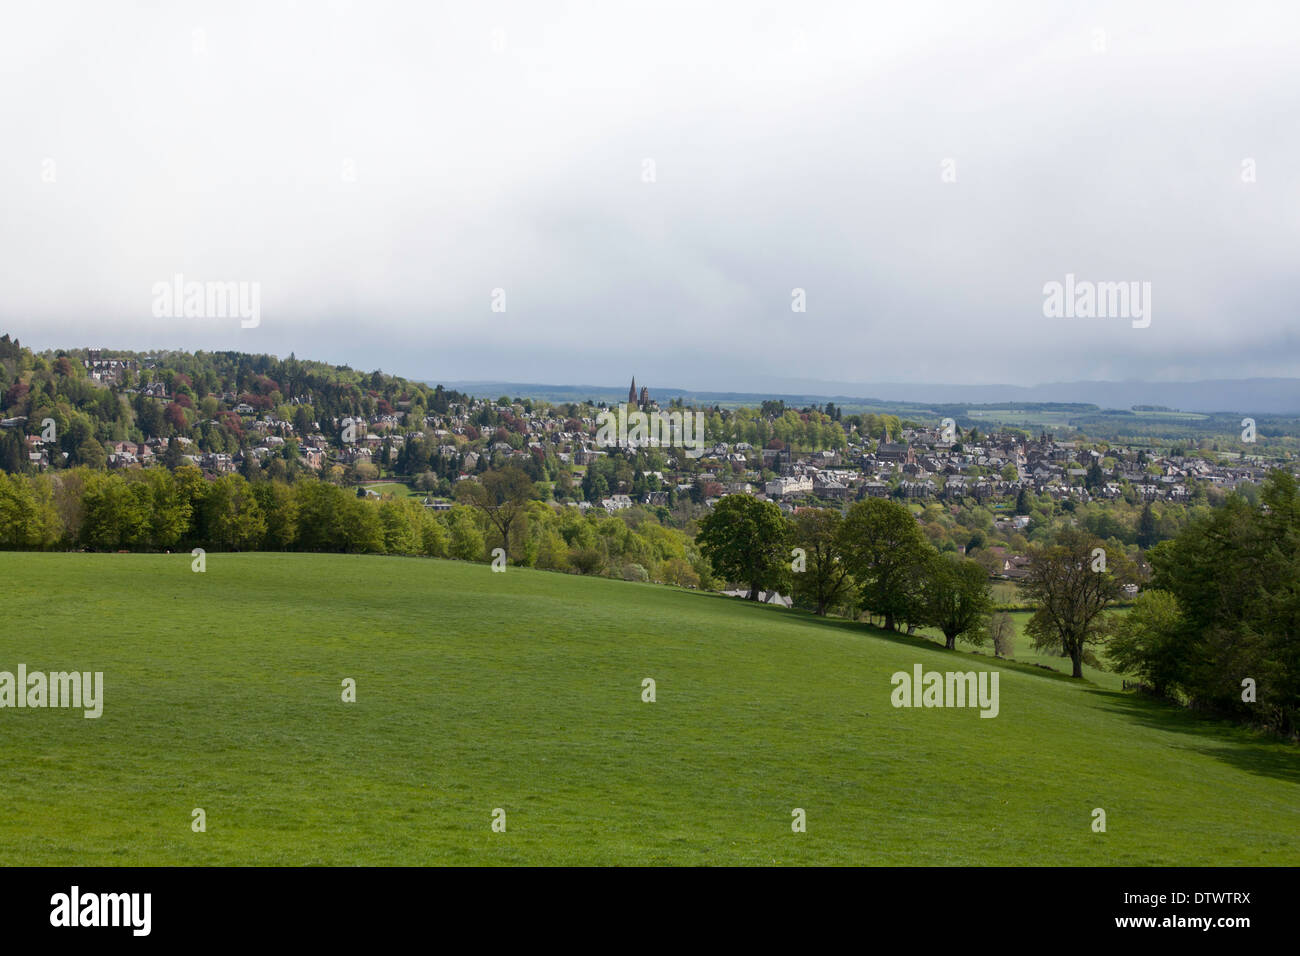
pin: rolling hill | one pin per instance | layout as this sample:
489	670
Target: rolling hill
523	691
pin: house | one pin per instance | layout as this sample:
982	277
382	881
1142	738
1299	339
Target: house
1016	567
954	487
835	490
134	451
918	489
777	459
783	487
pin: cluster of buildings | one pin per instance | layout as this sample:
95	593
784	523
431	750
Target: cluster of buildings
107	371
921	463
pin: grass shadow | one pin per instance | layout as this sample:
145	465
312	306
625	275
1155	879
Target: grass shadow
1242	747
1254	751
918	641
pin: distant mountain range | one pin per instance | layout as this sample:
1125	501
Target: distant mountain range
1251	396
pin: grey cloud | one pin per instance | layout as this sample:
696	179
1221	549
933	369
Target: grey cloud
794	145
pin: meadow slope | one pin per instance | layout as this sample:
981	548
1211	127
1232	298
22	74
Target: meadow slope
522	691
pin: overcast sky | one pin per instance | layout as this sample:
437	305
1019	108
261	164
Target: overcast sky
381	168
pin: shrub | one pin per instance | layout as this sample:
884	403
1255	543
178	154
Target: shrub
587	560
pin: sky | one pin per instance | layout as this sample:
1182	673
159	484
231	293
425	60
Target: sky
642	188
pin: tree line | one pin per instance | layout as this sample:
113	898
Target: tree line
154	509
871	558
1217	626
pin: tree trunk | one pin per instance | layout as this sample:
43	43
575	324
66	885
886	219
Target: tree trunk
951	639
889	622
753	592
1076	658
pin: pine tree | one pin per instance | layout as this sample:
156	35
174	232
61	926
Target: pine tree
13	458
1147	535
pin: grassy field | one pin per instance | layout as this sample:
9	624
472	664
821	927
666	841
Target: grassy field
1006	592
1024	652
392	489
1022	417
522	691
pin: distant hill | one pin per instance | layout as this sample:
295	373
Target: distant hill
1254	396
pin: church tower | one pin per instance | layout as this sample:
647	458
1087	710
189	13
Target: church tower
631	392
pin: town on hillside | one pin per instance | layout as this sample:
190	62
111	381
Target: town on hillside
839	459
994	491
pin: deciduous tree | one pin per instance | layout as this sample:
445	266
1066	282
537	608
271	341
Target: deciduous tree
502	495
1073	586
957	598
746	541
883	547
825	577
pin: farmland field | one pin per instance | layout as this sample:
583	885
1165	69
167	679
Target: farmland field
523	691
391	489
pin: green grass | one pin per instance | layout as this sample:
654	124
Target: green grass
1173	416
1023	652
392	489
1022	417
523	691
1006	592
